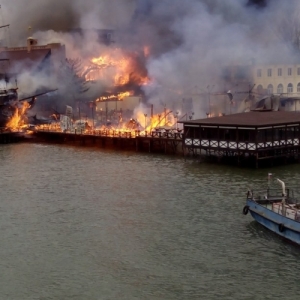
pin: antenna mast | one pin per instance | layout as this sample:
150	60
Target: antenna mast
5	26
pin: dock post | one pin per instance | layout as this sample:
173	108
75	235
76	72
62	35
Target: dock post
136	145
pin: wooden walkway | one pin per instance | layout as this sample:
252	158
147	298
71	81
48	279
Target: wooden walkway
156	142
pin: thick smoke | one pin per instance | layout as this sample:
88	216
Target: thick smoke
63	15
190	41
193	43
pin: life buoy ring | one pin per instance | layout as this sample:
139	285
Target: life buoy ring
245	209
281	227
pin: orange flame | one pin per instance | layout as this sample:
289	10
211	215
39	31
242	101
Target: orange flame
159	120
118	67
119	96
17	119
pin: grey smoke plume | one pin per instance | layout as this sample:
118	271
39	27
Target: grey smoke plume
189	41
63	15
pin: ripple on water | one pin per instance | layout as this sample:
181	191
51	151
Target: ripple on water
80	223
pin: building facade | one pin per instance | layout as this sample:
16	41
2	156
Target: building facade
279	79
33	58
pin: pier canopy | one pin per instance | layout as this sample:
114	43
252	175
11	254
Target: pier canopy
255	118
259	133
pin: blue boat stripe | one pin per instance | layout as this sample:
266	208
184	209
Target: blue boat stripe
272	220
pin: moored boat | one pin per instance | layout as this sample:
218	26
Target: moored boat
276	209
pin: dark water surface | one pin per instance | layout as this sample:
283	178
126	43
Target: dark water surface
79	223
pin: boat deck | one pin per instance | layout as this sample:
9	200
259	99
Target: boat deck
291	211
276	209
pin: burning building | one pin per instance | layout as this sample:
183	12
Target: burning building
159	51
31	59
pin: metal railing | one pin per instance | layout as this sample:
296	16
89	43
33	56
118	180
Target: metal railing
268	194
118	133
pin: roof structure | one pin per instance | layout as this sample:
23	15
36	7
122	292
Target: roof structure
250	119
20	59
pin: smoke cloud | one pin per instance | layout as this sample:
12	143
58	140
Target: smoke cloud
190	41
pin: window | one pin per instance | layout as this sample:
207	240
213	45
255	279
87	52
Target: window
289	71
270	89
269	72
298	71
258	72
298	87
279	133
280	89
290	132
259	89
243	135
228	134
279	72
290	88
241	73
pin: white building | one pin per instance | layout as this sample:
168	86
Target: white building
279	79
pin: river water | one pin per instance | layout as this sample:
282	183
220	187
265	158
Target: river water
86	223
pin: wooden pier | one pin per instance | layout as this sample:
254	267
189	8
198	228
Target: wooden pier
7	137
169	142
252	139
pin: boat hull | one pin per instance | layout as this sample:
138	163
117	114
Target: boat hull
281	225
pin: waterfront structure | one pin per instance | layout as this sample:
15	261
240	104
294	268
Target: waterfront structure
254	136
166	141
8	137
128	103
31	58
279	79
115	110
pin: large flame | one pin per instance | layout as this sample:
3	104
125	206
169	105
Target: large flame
149	123
17	120
117	66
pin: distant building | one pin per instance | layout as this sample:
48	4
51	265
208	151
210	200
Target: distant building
277	79
103	36
281	80
128	103
33	58
114	110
